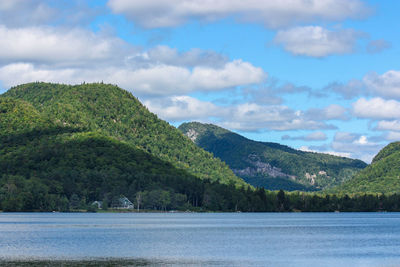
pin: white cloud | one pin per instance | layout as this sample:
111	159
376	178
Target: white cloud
376	46
349	90
77	55
156	80
358	146
9	5
260	95
254	117
289	88
384	125
334	153
376	108
345	137
315	41
314	136
25	12
232	74
179	108
245	117
164	55
242	117
339	154
331	112
362	140
271	91
393	136
194	57
19	73
386	85
273	14
351	145
20	13
58	47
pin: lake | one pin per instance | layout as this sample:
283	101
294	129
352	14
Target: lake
215	239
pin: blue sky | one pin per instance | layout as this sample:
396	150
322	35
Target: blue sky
315	75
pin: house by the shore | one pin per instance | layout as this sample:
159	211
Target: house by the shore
122	203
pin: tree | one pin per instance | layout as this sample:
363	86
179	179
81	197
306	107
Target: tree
74	202
281	200
138	200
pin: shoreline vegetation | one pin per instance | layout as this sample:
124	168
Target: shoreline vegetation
258	200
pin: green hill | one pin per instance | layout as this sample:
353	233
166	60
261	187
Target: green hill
62	147
382	176
114	112
272	165
43	165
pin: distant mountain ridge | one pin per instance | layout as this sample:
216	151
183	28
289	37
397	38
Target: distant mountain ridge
272	165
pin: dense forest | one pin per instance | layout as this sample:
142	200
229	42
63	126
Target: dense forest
382	175
55	160
114	112
46	167
271	165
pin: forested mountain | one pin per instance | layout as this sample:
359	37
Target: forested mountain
62	147
272	165
43	167
381	176
114	112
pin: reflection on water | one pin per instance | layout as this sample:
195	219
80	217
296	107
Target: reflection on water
214	239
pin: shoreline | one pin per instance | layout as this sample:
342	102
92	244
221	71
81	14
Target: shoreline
158	211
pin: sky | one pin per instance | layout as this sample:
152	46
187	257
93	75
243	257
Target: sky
316	75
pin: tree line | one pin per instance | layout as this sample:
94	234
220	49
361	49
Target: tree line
19	194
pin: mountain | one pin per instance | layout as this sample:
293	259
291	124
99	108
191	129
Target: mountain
114	112
272	165
65	146
381	176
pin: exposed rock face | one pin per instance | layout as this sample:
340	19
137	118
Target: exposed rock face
260	167
312	177
192	134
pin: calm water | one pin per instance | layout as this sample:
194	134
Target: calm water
221	239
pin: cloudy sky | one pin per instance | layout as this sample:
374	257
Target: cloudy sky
318	75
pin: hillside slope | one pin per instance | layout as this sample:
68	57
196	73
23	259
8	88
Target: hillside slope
272	165
44	166
382	176
62	162
114	112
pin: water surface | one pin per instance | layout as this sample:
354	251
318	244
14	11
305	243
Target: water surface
218	239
